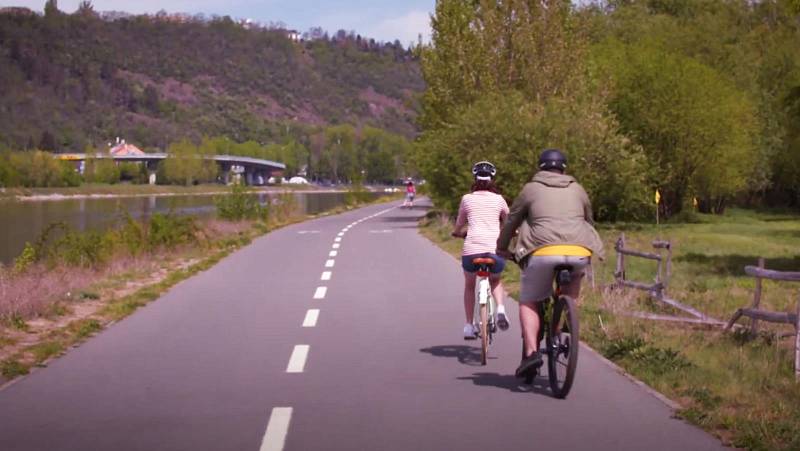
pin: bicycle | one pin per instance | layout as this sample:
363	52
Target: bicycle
485	306
561	331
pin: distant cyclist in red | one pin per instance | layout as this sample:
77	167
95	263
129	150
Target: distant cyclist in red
411	191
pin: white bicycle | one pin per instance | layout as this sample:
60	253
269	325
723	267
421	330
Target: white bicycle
485	306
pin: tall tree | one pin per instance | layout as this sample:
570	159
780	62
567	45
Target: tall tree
494	66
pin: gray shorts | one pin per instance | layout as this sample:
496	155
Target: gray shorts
537	277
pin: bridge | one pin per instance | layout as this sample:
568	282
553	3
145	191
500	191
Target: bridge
256	171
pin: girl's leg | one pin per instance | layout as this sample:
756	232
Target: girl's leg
497	289
469	295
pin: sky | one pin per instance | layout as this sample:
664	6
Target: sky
384	20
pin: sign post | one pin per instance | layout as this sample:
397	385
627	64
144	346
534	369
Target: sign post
658	200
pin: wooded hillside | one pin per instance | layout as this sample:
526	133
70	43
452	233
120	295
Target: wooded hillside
68	81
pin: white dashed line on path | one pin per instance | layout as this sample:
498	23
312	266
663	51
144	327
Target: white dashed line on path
320	293
338	239
311	318
297	361
333	254
326	275
330	263
336	245
340	234
277	427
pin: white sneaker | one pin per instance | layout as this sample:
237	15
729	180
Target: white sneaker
502	319
470	332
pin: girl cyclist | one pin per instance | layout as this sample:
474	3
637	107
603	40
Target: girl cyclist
483	212
411	191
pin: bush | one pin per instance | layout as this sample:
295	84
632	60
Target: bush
239	205
101	171
87	249
357	194
170	230
36	169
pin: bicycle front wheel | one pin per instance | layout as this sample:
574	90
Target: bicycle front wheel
484	332
563	340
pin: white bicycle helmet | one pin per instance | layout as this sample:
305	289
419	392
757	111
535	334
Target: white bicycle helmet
483	170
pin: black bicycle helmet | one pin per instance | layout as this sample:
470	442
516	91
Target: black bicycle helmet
552	159
483	170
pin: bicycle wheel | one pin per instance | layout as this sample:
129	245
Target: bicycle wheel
563	341
484	327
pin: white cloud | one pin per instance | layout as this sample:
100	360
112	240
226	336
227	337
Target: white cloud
406	28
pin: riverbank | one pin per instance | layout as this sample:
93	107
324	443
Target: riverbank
740	388
49	309
122	190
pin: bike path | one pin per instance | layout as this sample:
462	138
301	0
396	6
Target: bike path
205	366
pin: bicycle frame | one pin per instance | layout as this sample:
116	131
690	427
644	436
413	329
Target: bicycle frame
484	311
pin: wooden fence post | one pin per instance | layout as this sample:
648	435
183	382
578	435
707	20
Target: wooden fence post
669	264
619	274
756	298
797	345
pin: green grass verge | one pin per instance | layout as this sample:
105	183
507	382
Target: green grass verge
738	387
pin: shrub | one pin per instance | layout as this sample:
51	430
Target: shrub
88	249
170	230
239	205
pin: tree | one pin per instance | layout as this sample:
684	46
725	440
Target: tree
506	79
48	141
86	9
696	128
151	102
51	9
339	156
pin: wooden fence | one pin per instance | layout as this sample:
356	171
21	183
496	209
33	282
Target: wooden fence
759	272
658	288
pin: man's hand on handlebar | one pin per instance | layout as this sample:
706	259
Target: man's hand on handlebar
505	254
457	234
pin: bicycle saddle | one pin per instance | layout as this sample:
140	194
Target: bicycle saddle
563	274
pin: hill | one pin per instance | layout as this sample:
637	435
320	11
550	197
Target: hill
68	81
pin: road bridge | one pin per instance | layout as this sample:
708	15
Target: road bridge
255	171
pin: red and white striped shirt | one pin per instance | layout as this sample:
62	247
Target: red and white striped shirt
482	212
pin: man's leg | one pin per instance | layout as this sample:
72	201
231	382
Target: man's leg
530	322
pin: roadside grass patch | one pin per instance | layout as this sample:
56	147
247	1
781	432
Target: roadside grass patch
737	386
84	328
11	368
44	351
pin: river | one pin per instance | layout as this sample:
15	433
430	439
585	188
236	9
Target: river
22	222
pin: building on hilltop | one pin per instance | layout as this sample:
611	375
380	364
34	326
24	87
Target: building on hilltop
121	148
18	11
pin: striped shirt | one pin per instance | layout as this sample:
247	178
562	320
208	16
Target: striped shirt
482	212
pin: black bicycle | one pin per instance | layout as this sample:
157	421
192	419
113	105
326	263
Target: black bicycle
560	330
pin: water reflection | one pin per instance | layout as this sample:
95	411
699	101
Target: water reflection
21	222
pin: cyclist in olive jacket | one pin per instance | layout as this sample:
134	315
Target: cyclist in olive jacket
554	218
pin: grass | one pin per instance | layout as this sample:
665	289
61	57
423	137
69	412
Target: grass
739	387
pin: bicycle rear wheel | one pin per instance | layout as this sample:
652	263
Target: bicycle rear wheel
484	328
563	341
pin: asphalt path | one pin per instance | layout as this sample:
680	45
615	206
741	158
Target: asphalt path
341	333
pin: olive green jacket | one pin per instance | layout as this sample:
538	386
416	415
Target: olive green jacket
552	208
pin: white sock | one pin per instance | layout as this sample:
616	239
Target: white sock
501	309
